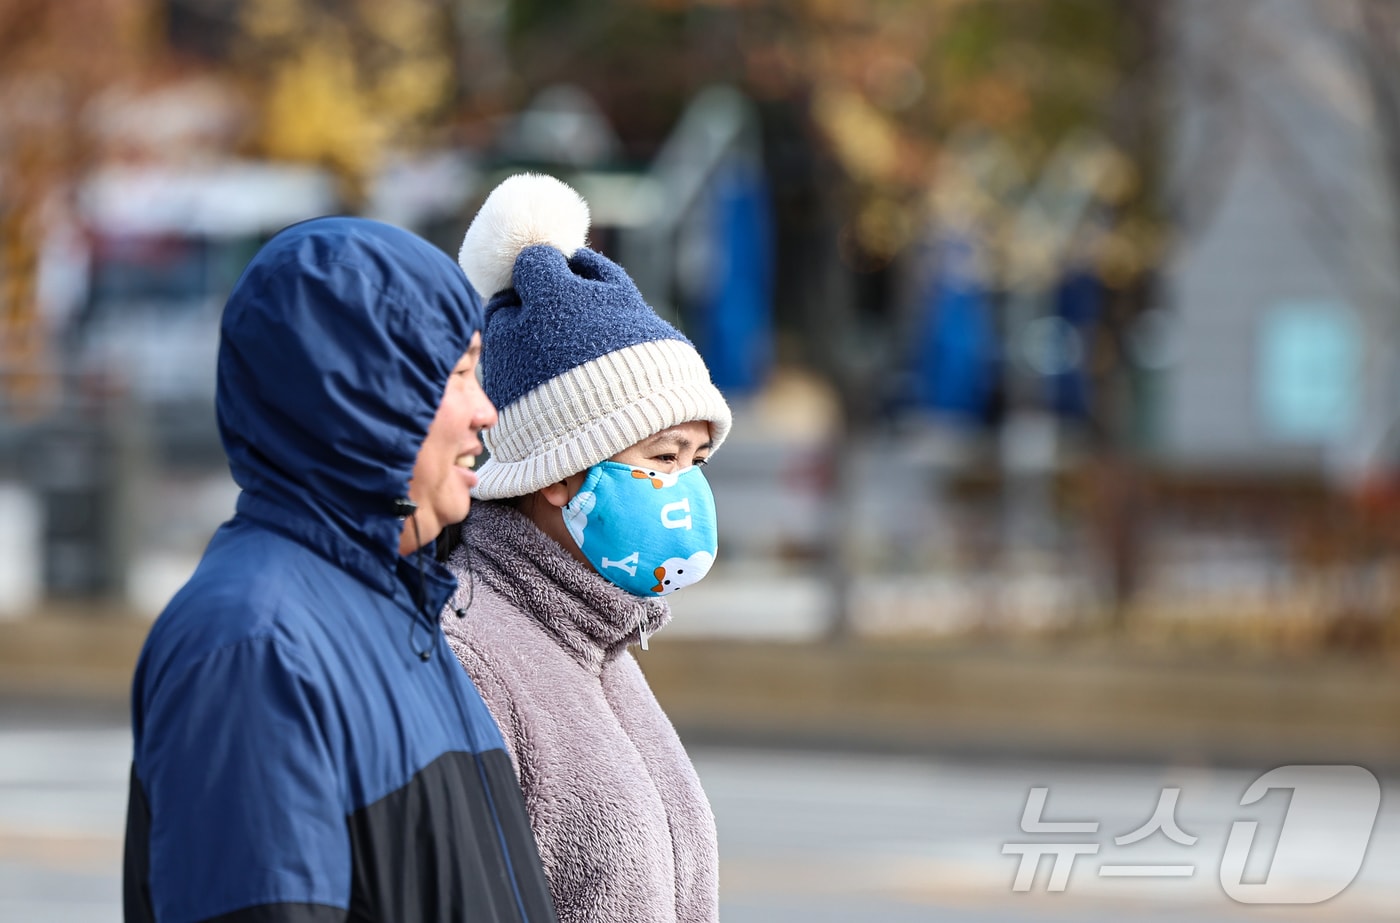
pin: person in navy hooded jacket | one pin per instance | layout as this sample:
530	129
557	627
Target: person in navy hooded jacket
293	759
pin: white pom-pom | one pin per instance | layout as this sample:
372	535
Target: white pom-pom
524	210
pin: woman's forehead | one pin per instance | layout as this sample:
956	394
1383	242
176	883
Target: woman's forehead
692	432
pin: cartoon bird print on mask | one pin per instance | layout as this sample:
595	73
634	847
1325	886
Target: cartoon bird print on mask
659	479
674	573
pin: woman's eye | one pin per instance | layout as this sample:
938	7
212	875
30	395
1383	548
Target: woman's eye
665	459
701	462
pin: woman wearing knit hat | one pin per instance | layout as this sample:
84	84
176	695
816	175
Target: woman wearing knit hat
595	509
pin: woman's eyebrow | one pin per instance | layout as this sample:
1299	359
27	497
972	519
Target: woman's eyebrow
676	443
668	441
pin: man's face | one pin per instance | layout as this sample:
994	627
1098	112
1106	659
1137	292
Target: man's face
442	475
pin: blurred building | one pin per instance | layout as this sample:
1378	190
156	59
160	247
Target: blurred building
1279	351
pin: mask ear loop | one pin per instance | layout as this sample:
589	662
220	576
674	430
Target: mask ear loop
420	602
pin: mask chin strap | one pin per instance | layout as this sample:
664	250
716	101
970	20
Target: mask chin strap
409	509
461	611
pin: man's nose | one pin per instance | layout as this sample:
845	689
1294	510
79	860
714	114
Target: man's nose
486	415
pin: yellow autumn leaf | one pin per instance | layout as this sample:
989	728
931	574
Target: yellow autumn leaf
272	19
865	142
413	88
316	112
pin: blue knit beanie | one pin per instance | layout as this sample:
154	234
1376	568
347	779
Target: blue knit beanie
578	365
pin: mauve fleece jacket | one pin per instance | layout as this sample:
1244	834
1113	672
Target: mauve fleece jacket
623	826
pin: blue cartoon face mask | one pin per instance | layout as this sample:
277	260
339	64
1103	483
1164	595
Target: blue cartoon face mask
648	532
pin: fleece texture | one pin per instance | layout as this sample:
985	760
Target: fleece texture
623	826
577	363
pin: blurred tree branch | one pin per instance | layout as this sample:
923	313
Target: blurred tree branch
54	59
340	82
1380	56
1379	41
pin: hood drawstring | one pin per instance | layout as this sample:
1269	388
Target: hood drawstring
461	611
410	508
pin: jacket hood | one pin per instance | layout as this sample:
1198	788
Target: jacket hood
335	349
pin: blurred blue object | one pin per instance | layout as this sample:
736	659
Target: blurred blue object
1310	357
1079	304
956	351
733	321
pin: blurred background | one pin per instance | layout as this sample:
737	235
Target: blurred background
1063	339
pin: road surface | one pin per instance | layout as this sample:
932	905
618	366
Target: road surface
815	836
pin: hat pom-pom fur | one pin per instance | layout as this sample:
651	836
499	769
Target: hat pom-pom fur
524	210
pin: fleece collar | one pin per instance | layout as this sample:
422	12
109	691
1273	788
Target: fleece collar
590	618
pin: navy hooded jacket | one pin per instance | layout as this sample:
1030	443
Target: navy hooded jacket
294	761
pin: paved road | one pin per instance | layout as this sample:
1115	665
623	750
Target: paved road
826	837
63	778
805	836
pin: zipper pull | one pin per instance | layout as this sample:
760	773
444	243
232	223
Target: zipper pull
642	630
